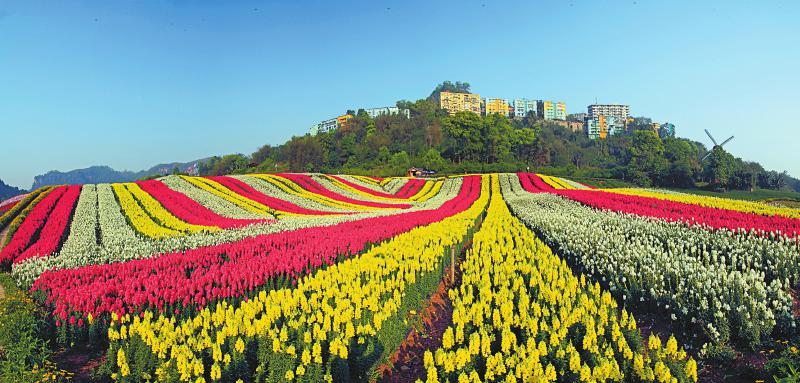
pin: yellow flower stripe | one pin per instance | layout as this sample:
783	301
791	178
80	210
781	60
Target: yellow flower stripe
367	180
555	182
430	190
291	187
162	215
139	219
215	188
353	190
328	311
708	201
514	290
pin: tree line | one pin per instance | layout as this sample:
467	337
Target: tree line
467	142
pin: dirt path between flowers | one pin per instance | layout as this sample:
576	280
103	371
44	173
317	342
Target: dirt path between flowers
406	363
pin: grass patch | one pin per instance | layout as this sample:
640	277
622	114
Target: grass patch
746	195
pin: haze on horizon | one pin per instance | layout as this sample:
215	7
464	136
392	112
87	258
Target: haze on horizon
131	85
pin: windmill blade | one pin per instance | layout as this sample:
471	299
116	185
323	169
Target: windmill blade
726	141
712	138
706	156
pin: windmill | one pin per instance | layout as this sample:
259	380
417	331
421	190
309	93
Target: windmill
715	144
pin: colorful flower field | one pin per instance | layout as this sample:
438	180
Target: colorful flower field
338	278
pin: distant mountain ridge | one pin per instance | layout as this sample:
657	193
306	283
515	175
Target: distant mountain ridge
106	174
8	191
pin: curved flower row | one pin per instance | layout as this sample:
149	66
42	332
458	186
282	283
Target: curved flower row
189	210
199	276
138	217
278	190
83	229
163	216
293	188
210	200
310	184
364	181
120	243
32	223
714	202
280	206
53	230
671	211
230	196
11	202
345	183
309	332
724	283
520	314
14	217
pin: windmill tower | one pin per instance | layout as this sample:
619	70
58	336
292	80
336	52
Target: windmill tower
715	144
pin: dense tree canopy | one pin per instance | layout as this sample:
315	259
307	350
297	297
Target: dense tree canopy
467	142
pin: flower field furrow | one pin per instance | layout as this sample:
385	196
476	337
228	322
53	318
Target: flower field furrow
713	202
83	230
221	191
53	231
14	217
138	217
210	200
279	190
520	314
188	210
283	207
199	276
363	189
410	188
161	215
307	333
291	187
32	223
364	181
310	184
121	243
672	211
726	284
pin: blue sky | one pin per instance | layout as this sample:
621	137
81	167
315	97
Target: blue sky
131	84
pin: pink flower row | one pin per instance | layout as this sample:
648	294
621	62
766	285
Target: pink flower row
668	210
49	219
306	182
247	191
189	210
199	276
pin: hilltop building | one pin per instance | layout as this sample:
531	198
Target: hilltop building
459	102
330	125
550	110
618	111
495	105
524	106
387	111
666	130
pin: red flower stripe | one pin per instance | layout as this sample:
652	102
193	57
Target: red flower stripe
30	226
669	210
410	188
247	191
309	184
188	210
7	207
200	276
363	189
55	228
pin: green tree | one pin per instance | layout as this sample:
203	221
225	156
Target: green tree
683	165
400	161
720	168
646	163
432	160
463	136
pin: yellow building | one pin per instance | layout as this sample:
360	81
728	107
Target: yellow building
550	110
496	105
341	120
460	102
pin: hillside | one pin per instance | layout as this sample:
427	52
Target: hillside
8	191
105	174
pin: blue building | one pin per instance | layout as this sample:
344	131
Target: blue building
666	130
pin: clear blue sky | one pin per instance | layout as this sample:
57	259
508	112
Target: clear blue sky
131	84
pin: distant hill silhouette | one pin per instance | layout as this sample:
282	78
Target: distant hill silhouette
104	174
8	191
